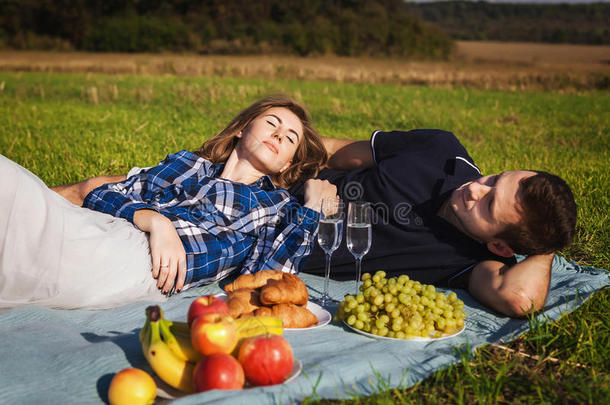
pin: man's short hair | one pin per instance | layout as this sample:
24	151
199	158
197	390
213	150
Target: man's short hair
548	213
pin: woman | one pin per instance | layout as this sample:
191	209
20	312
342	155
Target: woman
206	214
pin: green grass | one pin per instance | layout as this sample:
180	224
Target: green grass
563	362
65	128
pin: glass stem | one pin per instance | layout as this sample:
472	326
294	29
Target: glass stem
327	277
359	265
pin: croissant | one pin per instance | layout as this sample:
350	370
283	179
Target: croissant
292	316
253	281
243	302
288	290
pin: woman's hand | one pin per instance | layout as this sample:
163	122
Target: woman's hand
166	249
317	190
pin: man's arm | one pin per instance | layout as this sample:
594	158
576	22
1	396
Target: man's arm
514	291
76	193
346	154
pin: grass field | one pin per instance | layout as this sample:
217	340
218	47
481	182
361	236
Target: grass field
66	127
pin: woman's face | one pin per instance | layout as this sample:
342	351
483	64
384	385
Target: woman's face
270	141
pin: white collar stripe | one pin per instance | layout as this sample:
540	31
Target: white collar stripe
470	164
373	145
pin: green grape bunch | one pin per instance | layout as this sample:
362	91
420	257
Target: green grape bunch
401	308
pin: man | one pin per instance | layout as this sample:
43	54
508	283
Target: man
438	220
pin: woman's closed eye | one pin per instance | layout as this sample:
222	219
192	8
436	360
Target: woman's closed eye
274	125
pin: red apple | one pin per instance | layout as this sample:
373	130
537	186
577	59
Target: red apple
218	371
206	304
214	333
266	359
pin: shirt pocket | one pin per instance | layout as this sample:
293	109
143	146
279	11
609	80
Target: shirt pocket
167	197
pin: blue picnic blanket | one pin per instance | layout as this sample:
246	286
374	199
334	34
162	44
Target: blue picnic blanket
69	356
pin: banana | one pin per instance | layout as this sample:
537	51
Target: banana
168	349
144	332
258	325
172	369
177	335
180	328
178	338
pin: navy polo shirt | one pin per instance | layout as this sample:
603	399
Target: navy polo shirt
414	174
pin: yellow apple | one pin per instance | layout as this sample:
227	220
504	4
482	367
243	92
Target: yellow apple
214	333
132	386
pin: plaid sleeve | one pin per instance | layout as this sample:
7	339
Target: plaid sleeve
118	199
144	190
282	246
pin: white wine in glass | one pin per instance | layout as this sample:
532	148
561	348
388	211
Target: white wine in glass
330	231
359	233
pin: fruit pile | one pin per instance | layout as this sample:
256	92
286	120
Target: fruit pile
210	351
401	308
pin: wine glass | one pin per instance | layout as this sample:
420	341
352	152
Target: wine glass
359	232
330	231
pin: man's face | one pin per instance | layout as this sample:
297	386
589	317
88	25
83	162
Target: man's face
484	207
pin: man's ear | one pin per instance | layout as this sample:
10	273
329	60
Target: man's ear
500	248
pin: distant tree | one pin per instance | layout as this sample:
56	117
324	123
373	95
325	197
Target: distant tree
569	23
342	27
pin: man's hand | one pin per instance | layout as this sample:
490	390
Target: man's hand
166	249
514	291
76	193
347	154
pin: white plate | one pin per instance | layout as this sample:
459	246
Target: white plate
297	367
323	315
167	392
414	338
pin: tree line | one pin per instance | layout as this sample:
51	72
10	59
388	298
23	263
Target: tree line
303	27
554	23
392	28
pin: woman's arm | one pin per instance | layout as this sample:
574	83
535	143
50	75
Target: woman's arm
285	245
166	249
137	200
130	200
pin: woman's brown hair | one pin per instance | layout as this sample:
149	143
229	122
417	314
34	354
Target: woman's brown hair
308	158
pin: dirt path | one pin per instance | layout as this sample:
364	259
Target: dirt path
488	65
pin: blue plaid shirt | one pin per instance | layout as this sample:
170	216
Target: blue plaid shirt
223	225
